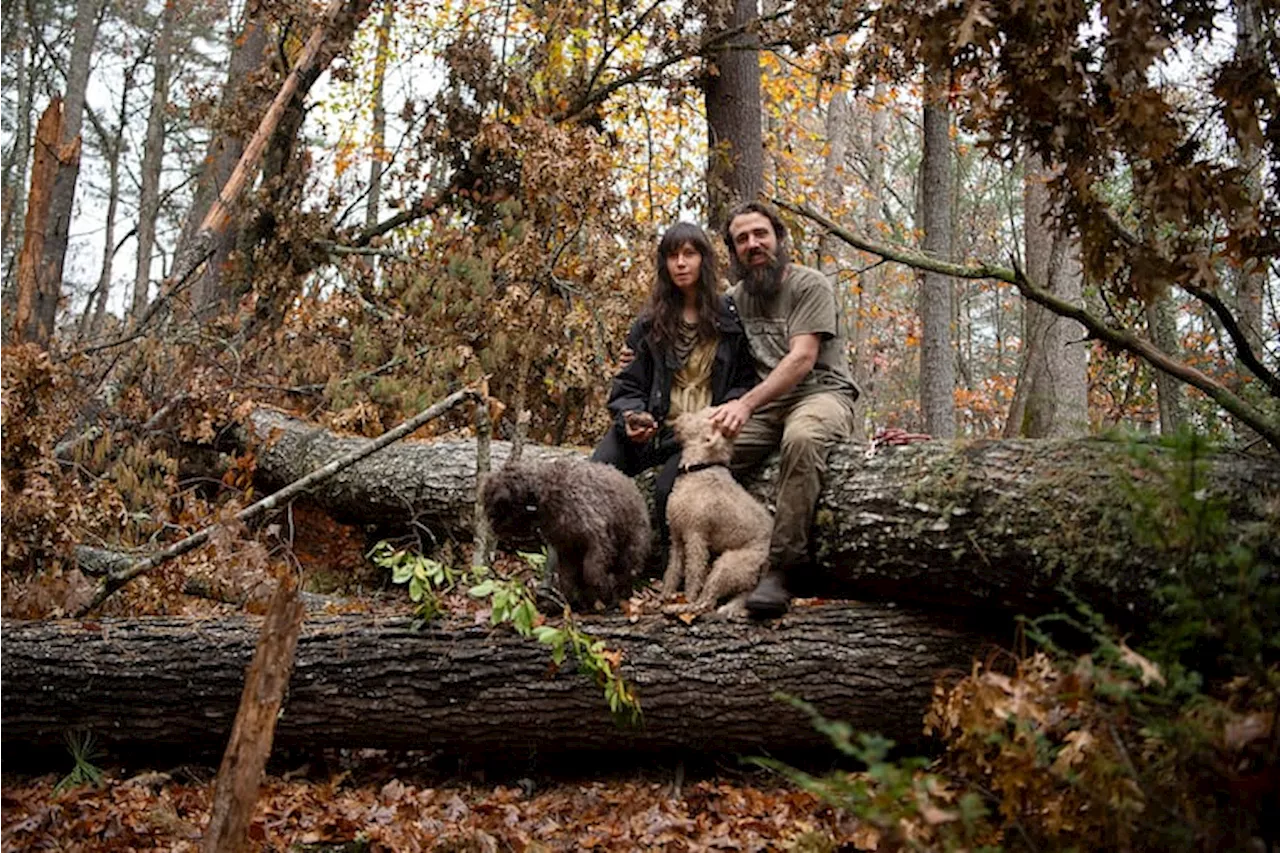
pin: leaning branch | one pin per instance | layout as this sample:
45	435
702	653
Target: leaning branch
1239	339
1115	338
1244	350
200	249
419	209
715	43
116	580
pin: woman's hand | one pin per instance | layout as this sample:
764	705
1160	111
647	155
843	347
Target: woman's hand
640	426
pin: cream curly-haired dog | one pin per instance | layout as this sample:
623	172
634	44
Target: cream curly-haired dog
591	514
710	513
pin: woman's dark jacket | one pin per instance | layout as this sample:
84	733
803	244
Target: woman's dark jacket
645	384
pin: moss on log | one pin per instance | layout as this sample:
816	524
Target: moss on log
1020	525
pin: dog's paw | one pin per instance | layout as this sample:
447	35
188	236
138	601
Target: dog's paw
733	610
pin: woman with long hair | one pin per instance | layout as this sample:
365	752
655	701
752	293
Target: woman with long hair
690	352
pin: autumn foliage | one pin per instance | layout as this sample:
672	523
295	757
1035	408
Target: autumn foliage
513	243
32	422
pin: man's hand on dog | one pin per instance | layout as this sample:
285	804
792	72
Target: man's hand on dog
640	426
730	417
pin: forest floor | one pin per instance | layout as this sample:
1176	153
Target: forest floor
370	800
376	803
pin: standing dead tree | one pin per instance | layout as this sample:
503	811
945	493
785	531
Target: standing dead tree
199	249
266	682
31	322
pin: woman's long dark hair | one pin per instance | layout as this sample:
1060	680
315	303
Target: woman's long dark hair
665	301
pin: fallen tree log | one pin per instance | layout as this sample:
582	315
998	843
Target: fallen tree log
361	681
1013	524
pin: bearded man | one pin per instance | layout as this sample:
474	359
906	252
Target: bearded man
804	400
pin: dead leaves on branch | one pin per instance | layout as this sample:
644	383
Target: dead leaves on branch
1089	755
40	513
1084	95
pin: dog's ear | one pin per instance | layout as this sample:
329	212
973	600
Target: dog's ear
496	493
510	492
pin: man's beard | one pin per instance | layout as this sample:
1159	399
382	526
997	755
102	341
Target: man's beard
765	280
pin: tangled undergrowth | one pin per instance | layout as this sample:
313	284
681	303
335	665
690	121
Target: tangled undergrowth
1090	742
1086	743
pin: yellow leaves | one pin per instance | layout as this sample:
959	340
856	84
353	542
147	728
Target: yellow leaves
1073	752
1148	671
974	17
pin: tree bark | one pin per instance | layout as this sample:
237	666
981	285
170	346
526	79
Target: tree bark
1051	399
1163	329
152	160
30	323
57	224
839	120
13	185
735	147
1251	277
1008	524
236	790
378	133
937	363
871	283
244	94
361	681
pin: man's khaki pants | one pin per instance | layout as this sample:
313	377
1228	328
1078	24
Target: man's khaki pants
806	431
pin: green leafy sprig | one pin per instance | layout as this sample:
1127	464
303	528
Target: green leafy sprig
512	602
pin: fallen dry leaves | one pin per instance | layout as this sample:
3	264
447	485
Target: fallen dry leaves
154	812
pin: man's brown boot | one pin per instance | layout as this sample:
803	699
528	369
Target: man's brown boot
770	598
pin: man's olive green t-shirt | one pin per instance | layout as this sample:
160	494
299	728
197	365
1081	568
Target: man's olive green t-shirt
805	304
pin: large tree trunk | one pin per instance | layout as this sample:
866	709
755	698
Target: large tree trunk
152	160
870	284
735	150
30	323
839	122
1251	278
378	133
57	224
937	359
13	178
1010	524
245	93
363	681
1051	399
1162	326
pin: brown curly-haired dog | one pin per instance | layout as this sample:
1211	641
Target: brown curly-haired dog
709	513
592	514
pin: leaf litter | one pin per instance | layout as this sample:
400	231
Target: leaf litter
156	811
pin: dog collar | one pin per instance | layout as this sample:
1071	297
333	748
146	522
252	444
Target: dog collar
701	466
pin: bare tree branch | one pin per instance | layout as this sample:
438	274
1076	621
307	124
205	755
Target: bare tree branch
1243	349
116	580
1116	338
